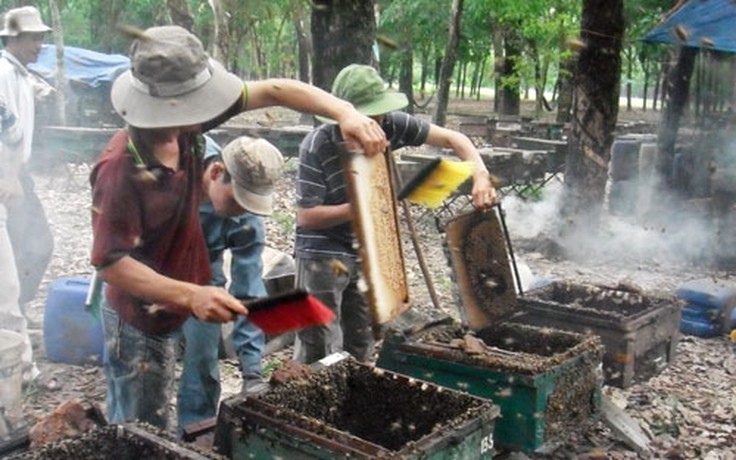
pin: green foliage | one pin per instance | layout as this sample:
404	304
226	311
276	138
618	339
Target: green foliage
285	221
263	39
272	363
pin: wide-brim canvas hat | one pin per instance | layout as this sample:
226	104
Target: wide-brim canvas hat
172	82
26	19
255	166
365	89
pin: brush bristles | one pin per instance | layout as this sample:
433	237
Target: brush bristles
291	315
444	180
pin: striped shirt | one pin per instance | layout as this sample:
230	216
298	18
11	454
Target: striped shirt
320	180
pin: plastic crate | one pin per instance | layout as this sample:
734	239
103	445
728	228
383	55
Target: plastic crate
352	410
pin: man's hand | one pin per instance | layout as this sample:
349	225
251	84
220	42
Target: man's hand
484	193
363	133
215	304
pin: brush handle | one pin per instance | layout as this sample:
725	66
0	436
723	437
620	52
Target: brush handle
266	303
419	178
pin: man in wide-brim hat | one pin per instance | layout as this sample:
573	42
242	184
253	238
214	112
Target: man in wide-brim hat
26	242
148	244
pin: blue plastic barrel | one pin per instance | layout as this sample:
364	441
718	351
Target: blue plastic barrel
72	335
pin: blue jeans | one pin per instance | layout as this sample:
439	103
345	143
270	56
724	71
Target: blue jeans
351	329
139	370
199	387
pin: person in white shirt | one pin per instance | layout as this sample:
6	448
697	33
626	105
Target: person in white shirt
26	241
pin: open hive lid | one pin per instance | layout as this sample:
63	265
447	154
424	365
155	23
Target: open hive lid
480	261
376	223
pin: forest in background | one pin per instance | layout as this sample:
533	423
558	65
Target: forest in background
516	49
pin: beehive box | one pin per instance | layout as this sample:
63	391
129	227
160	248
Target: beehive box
352	410
544	380
118	441
639	331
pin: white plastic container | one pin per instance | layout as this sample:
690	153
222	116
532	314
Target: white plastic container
11	374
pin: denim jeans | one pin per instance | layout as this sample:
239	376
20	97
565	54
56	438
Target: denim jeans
199	387
351	330
140	371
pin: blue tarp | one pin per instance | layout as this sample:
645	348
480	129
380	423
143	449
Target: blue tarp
706	23
81	65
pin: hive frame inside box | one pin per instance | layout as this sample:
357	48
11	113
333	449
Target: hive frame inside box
272	426
638	345
522	394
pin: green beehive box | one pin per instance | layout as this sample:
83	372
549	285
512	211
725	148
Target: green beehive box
351	410
547	382
127	441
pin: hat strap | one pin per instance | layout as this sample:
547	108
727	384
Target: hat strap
168	89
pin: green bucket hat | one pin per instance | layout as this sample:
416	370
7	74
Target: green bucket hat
365	89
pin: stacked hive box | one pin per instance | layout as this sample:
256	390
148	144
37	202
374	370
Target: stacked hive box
639	331
351	410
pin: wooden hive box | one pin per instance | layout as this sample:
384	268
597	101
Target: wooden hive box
639	331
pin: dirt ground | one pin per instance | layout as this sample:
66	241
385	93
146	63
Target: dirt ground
688	410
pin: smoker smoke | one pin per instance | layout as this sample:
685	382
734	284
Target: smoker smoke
655	230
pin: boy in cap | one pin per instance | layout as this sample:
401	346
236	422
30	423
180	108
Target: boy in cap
22	218
324	232
239	182
148	244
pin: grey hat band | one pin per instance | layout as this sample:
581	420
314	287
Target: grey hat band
168	89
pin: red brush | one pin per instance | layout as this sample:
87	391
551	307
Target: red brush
286	312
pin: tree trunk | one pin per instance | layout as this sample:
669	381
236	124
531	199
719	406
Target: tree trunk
510	103
474	82
304	45
443	91
497	66
343	32
180	13
596	108
406	74
660	85
221	41
645	68
678	89
629	76
60	95
542	81
699	68
565	86
481	76
425	74
539	92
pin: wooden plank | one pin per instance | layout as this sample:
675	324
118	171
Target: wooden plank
624	427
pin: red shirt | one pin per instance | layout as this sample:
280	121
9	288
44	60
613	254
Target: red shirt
151	214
